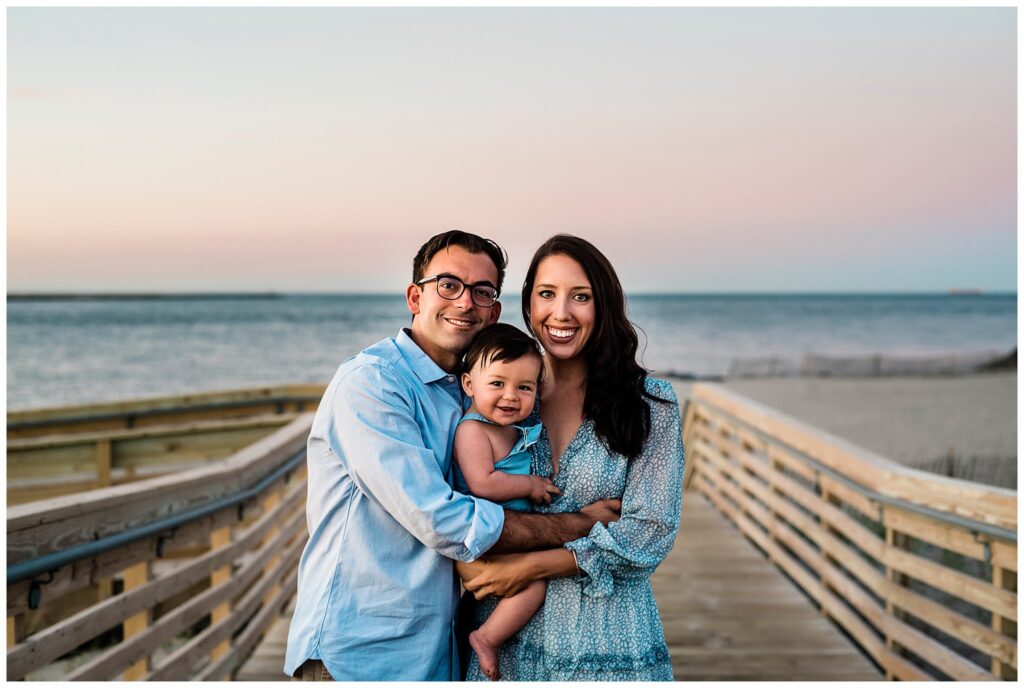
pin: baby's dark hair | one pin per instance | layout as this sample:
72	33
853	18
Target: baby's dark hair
500	342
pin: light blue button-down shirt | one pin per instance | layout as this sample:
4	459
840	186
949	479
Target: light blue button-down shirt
377	589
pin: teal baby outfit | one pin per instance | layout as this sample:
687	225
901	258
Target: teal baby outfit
516	463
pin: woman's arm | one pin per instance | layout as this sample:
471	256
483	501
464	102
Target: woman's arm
475	456
506	574
633	546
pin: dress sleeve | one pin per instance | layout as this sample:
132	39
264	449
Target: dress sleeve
633	546
375	430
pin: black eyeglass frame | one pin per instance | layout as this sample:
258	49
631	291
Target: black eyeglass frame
472	288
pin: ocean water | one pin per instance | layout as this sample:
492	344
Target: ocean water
75	351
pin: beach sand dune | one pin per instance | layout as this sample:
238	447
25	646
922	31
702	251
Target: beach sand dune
963	425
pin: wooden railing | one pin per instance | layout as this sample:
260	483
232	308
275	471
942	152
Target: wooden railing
175	577
139	413
55	465
920	570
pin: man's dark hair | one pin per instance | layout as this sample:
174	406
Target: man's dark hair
470	242
500	342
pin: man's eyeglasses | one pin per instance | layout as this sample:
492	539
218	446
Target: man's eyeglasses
451	288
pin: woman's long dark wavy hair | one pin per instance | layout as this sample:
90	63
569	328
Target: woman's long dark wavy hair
615	397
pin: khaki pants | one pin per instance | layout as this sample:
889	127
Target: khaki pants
312	670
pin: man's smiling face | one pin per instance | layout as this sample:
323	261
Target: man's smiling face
443	328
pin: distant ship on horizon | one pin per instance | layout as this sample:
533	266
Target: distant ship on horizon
965	291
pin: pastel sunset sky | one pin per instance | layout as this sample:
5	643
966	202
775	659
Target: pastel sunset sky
703	150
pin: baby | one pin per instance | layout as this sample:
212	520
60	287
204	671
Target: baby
503	367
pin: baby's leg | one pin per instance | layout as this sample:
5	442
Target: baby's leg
511	614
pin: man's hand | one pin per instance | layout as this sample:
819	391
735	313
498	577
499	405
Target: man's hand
542	489
605	511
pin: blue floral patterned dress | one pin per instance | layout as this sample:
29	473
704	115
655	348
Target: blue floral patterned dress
603	625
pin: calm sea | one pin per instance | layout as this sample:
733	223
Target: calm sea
74	351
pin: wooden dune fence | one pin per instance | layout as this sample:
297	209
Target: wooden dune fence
920	570
175	577
817	365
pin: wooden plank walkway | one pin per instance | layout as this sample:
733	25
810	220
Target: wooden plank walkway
729	615
267	661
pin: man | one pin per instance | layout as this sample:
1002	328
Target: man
377	592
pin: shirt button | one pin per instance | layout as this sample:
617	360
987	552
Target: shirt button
450	378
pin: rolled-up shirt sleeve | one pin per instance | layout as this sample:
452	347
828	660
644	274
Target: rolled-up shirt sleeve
633	546
374	428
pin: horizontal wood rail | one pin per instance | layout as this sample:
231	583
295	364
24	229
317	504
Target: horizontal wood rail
44	467
182	602
920	570
166	410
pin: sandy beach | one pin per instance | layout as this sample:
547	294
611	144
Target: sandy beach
963	425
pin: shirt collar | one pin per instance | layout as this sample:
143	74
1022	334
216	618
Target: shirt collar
424	366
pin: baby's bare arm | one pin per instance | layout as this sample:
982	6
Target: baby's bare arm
475	455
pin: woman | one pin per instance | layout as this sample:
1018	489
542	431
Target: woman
610	432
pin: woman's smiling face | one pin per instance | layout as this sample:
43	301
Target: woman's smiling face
562	313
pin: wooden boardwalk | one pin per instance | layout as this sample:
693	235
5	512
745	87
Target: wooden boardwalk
868	540
729	615
267	660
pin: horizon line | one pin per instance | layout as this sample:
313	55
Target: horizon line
155	295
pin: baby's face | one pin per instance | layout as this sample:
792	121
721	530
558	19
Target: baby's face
504	391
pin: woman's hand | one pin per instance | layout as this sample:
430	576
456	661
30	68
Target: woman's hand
502	575
506	574
606	511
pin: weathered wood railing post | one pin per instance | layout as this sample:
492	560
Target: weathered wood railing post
269	503
104	455
220	538
135	577
1004	579
827	530
688	425
893	540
